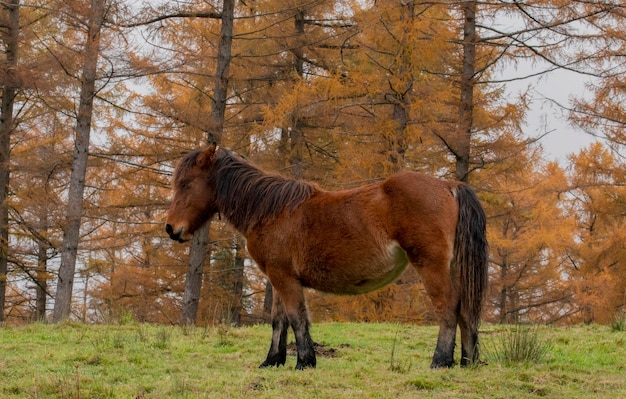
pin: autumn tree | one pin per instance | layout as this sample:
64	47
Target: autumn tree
36	206
36	164
601	112
198	252
213	130
9	26
336	94
46	112
598	258
596	172
530	234
194	114
94	21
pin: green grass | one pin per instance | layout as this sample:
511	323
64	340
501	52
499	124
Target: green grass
362	361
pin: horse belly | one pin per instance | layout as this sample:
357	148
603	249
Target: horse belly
362	274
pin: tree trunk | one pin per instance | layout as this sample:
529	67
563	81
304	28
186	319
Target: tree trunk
41	273
401	96
9	90
218	109
295	130
199	247
71	234
502	303
466	122
237	283
193	280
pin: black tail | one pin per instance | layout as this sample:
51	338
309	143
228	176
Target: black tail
471	254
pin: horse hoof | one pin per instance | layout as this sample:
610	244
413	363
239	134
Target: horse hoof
303	366
267	364
274	361
442	365
475	363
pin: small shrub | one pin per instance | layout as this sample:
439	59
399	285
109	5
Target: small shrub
519	344
162	339
126	318
619	322
118	341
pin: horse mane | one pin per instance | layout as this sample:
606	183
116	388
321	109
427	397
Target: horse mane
185	165
247	196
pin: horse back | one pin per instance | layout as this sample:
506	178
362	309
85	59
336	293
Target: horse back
418	202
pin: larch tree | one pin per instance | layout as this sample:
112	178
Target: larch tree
586	38
10	83
198	112
597	177
36	155
602	111
22	82
529	236
94	20
37	187
597	261
300	65
494	35
395	96
200	241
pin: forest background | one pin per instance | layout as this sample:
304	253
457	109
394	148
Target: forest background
100	99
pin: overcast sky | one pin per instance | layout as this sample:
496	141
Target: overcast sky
545	116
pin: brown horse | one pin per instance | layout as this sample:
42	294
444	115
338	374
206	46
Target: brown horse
346	242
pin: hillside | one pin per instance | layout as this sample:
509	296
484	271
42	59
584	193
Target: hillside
355	361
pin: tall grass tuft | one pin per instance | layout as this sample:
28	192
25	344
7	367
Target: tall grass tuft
519	343
395	365
619	322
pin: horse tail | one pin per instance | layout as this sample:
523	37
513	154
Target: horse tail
471	254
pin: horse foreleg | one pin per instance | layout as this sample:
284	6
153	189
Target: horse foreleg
277	354
292	295
304	342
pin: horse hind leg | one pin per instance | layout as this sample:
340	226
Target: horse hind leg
469	339
435	274
448	318
277	355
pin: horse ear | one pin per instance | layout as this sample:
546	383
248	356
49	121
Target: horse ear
207	155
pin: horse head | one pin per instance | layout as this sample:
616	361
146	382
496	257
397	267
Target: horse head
194	200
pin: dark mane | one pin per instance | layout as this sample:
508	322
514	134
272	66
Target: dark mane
247	196
186	164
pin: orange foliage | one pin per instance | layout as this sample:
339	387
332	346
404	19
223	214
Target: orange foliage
351	98
598	198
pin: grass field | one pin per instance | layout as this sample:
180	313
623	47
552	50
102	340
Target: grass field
356	361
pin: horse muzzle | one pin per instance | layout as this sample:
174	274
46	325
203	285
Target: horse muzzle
175	235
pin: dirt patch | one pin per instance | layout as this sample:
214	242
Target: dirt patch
257	385
321	350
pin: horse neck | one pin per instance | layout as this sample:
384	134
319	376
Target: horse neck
247	196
